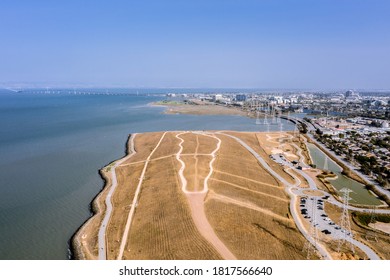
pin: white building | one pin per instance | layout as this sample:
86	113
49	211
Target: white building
217	97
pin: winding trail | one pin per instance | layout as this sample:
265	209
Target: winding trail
102	251
196	200
312	186
323	251
135	200
196	183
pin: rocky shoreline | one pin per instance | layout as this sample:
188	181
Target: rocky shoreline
96	208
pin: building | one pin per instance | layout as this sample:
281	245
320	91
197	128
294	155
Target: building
217	97
240	97
351	96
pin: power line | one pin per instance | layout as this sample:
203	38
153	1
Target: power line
345	232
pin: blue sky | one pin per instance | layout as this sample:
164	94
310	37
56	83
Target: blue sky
307	44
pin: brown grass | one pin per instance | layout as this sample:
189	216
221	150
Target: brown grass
144	144
380	245
169	146
275	204
246	205
128	178
206	144
162	226
234	159
196	171
189	144
251	234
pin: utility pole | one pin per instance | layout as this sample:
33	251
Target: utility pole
346	232
370	234
311	247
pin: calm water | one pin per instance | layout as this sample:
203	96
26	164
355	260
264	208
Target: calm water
360	195
52	146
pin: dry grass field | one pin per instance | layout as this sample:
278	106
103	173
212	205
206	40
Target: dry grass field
206	144
144	143
122	198
380	244
252	234
260	142
162	227
246	208
190	143
196	170
168	147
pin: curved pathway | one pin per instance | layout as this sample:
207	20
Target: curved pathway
196	201
114	183
312	186
293	209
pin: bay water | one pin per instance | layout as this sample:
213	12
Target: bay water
52	144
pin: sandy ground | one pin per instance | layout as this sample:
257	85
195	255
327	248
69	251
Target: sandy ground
203	110
313	192
385	227
196	202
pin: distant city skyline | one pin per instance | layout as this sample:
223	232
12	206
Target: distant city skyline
273	44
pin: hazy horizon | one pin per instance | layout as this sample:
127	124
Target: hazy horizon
269	44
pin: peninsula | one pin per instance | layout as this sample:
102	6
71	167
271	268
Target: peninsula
223	195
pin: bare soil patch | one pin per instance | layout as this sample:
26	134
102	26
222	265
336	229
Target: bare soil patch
203	110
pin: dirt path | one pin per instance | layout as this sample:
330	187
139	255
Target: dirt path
249	190
135	201
196	201
143	161
248	179
323	251
213	195
196	182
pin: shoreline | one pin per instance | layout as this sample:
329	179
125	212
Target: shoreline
199	109
95	208
78	250
83	243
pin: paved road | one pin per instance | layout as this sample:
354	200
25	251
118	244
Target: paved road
114	183
321	223
325	254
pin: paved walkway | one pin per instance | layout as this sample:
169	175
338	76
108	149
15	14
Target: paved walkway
324	223
325	254
114	183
